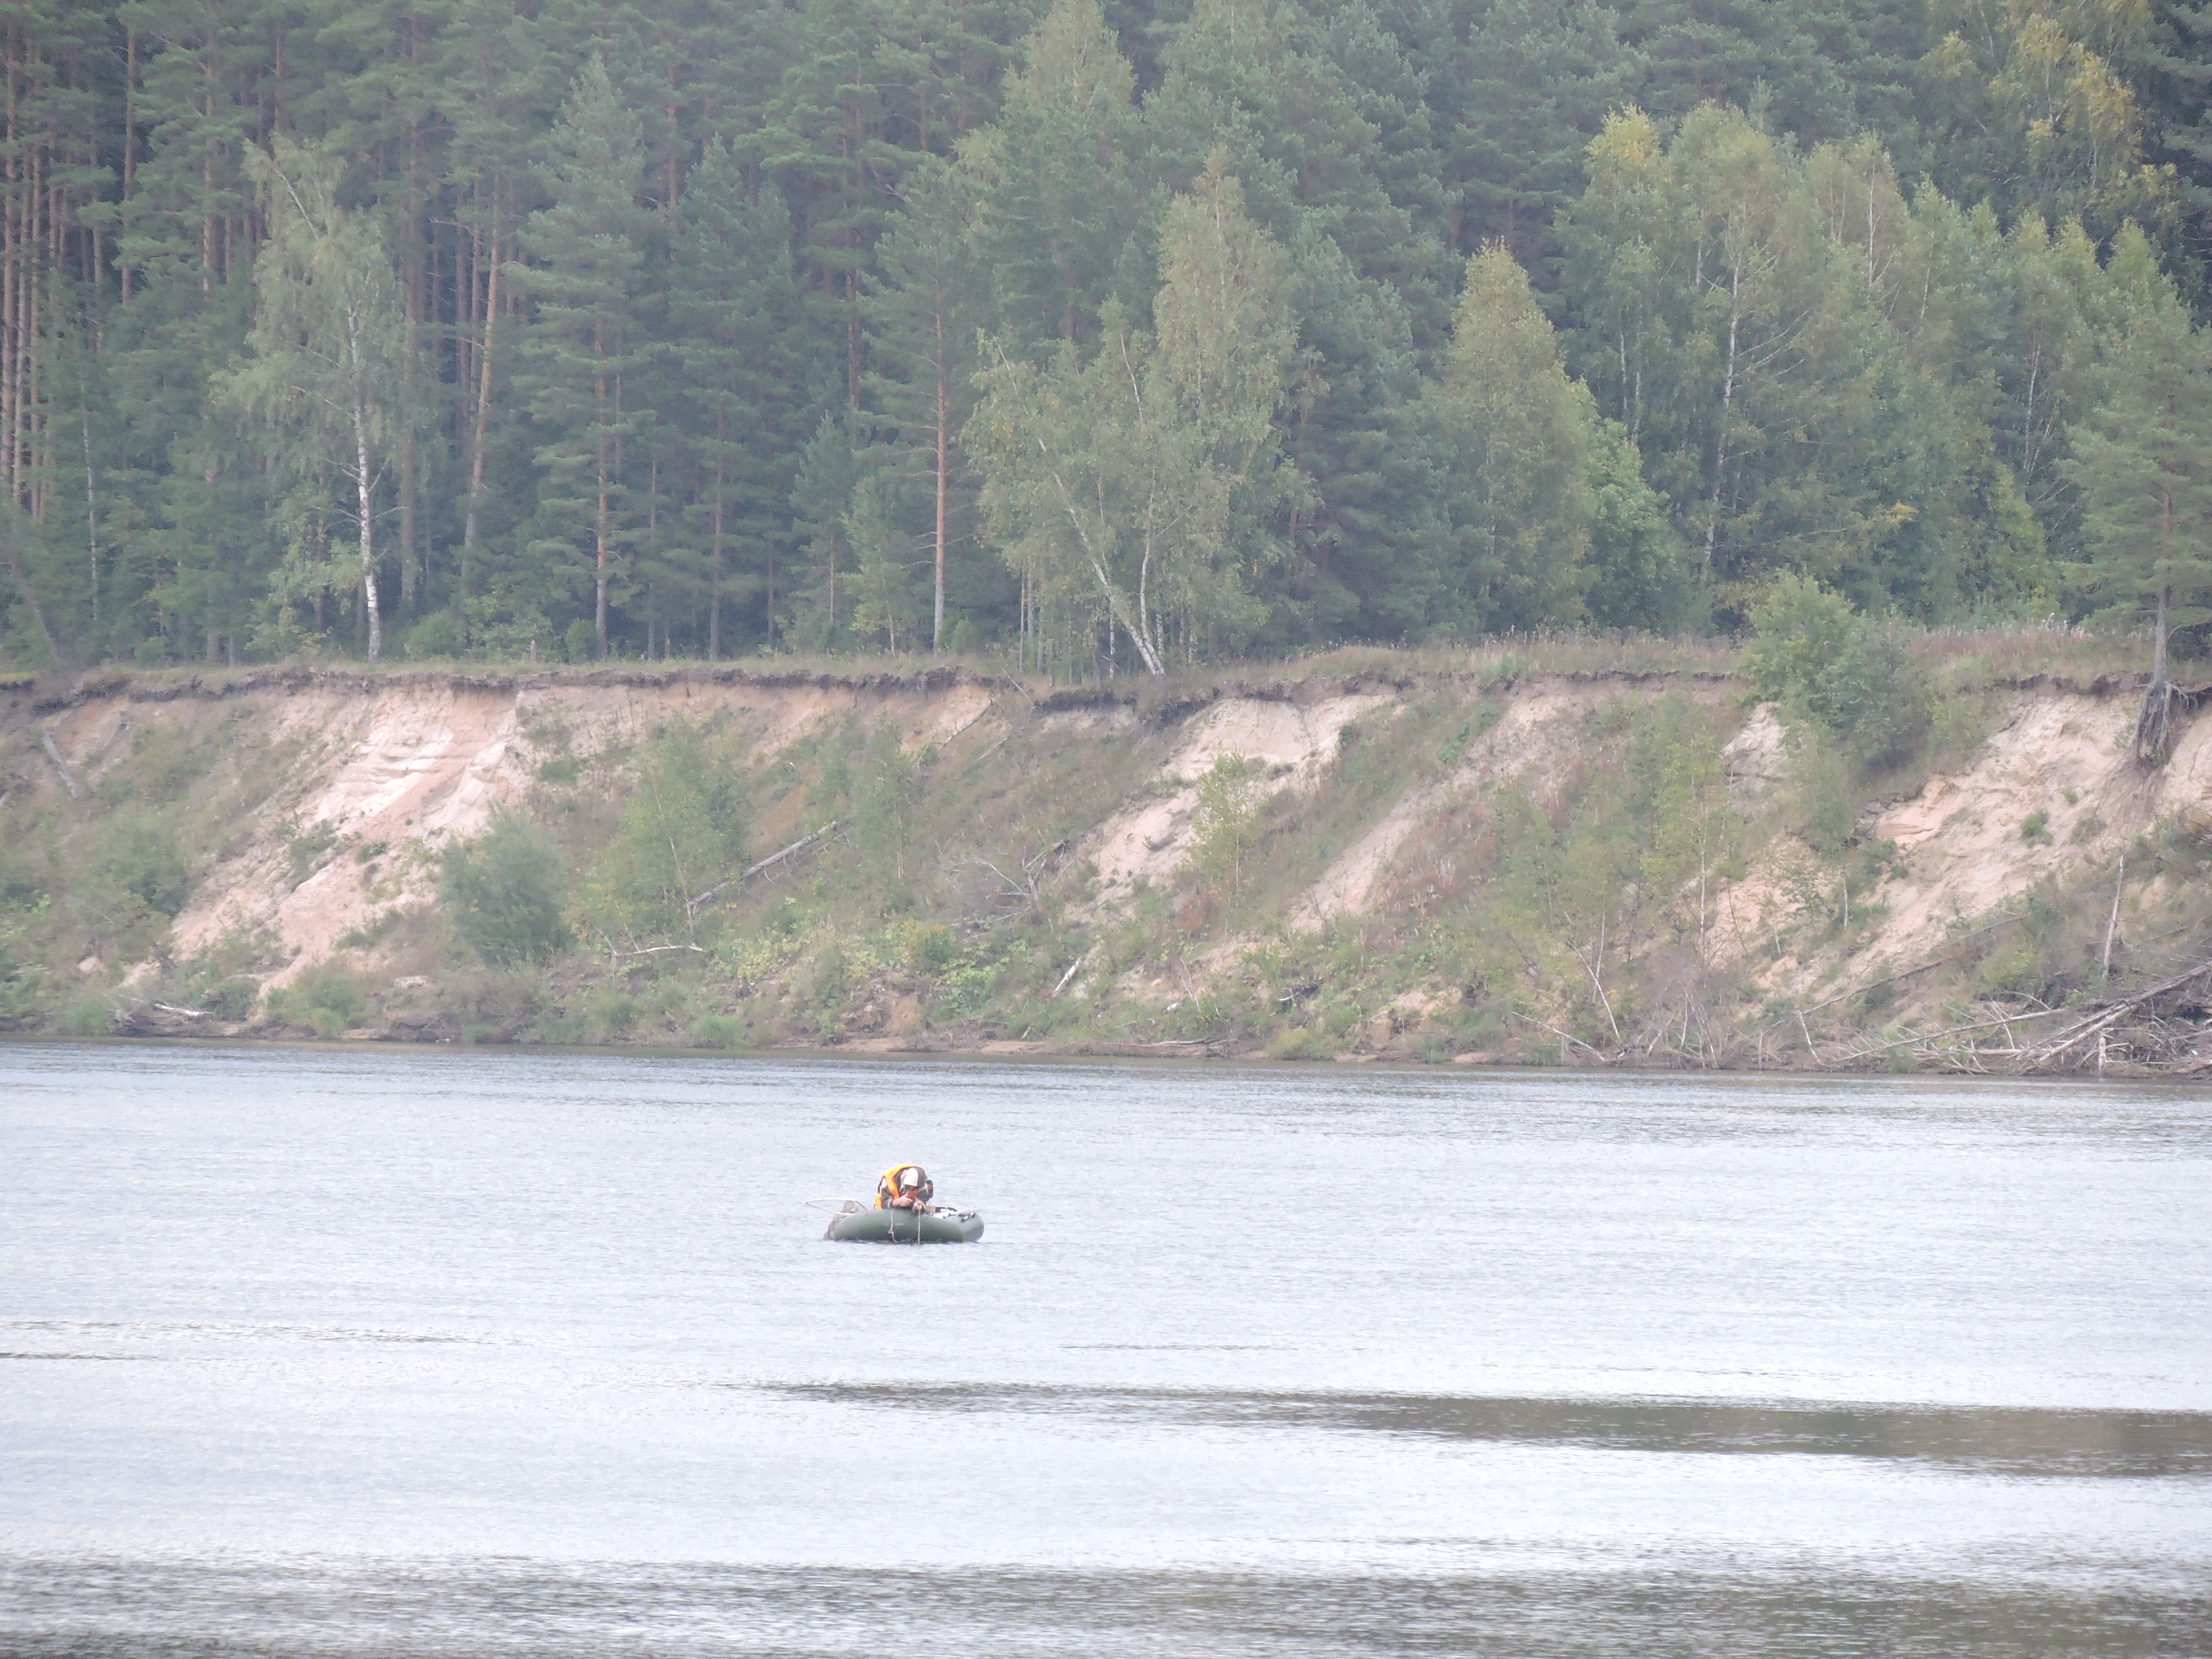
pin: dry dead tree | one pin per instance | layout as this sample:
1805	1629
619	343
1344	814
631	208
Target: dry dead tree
1025	892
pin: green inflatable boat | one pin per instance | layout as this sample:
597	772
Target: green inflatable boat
857	1224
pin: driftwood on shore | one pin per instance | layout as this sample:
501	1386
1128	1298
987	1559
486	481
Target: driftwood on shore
2152	1030
2155	1024
2163	1029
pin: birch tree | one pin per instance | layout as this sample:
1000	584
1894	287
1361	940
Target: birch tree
1732	323
324	370
1141	483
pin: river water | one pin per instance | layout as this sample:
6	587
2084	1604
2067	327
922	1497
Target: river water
312	1353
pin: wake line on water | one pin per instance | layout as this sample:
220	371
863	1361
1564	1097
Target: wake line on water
2015	1440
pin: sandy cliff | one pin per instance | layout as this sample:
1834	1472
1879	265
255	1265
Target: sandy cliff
343	788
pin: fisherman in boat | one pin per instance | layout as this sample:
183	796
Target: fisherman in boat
904	1187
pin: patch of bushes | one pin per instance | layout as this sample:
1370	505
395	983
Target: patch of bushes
1799	627
968	985
1228	806
305	853
135	853
681	841
437	636
18	886
1301	1043
225	980
1850	675
1874	697
327	1000
163	767
492	1004
929	950
86	1017
824	991
503	892
556	1026
15	998
610	1015
718	1031
882	786
1448	756
2028	960
361	938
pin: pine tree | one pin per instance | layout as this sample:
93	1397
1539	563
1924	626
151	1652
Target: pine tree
738	334
830	140
1803	356
820	505
922	318
1062	196
2144	463
1517	440
500	90
188	520
1521	87
584	343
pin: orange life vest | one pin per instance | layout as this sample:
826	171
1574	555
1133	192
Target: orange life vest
888	1189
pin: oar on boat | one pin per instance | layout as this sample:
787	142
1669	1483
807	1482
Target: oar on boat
838	1208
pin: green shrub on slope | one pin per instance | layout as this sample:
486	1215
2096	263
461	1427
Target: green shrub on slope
503	892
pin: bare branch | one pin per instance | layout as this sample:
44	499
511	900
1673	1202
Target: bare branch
800	845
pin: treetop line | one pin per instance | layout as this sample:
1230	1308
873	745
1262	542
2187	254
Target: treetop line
1106	336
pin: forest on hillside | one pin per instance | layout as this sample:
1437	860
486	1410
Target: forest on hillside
1100	336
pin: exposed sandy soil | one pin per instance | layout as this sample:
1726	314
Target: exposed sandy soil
1964	850
371	776
410	762
1758	761
1541	731
1150	838
1962	834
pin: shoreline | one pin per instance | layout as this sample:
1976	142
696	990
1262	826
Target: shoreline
1251	1055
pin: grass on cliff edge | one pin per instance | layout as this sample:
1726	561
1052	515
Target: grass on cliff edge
1998	652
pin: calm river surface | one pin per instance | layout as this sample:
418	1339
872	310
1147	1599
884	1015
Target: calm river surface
350	1354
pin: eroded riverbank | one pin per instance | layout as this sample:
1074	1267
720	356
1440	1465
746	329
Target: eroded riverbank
1432	857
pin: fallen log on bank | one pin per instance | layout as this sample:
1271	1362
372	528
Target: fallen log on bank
2150	1016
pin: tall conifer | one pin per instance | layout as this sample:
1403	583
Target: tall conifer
585	348
739	336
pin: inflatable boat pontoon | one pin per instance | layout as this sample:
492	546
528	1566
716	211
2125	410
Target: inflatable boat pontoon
857	1224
